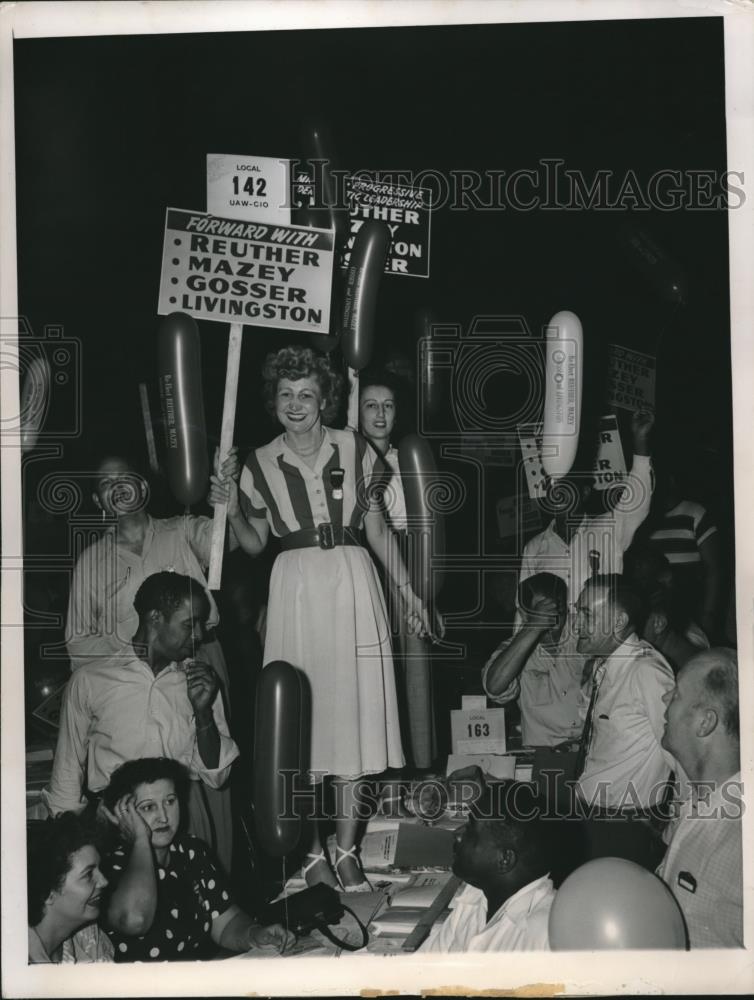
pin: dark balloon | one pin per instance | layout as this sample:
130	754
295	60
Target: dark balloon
661	271
613	903
179	371
278	755
365	270
425	526
328	209
431	384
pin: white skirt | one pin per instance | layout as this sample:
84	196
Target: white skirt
327	616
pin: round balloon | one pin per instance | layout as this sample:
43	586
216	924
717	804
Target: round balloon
614	903
182	401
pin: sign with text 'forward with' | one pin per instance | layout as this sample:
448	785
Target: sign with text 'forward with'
257	274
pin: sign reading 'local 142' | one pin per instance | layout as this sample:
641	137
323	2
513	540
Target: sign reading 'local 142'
253	273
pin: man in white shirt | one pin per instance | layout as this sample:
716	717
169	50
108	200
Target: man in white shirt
703	865
624	765
541	666
574	544
151	700
504	854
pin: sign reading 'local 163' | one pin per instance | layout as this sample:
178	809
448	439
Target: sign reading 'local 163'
252	273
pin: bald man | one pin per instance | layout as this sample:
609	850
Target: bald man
703	863
625	766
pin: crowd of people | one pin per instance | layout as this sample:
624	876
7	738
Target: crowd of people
610	654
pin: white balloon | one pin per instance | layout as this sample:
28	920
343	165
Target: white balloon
562	412
35	401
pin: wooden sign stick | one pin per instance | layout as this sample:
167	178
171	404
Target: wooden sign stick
353	399
419	934
226	442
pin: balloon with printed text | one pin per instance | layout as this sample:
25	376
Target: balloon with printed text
563	379
179	373
365	270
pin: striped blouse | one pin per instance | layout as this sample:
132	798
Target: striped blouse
276	484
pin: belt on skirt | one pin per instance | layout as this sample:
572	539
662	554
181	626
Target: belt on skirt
324	536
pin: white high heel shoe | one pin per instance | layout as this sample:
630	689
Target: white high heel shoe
352	852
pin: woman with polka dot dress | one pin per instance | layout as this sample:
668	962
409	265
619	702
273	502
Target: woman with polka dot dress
168	900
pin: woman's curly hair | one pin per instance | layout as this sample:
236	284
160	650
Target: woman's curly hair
302	362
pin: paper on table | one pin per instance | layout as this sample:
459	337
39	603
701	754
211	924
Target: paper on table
496	765
422	892
470	702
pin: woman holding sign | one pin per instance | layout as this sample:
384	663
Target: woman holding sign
311	486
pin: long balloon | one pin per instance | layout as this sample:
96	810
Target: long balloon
182	401
425	525
431	386
277	757
329	210
614	903
35	400
365	269
562	412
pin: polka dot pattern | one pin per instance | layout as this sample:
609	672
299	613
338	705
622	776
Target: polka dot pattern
191	893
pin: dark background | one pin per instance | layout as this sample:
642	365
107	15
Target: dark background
111	130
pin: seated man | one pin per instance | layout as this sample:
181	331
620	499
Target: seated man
65	887
623	765
541	666
505	854
703	866
157	701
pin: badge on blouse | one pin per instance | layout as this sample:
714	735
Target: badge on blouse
336	483
687	881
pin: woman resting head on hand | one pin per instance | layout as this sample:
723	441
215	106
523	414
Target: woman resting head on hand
64	892
169	901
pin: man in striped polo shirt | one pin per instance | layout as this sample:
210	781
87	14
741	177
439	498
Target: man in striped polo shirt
688	537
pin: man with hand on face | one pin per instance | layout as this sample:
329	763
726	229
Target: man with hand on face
151	699
703	866
505	854
622	763
541	666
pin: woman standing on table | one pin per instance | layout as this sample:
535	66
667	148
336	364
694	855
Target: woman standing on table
379	393
133	546
326	612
